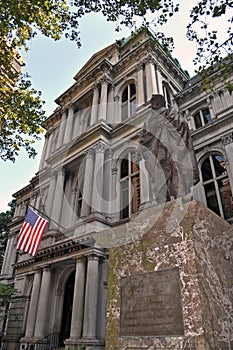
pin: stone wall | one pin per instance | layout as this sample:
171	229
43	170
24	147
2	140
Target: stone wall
198	243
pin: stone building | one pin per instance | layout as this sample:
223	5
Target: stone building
91	179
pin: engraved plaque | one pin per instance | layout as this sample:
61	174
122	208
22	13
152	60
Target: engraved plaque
151	304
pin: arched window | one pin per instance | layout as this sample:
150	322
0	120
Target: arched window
202	118
129	185
216	185
128	101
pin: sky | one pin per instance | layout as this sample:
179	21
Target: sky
52	66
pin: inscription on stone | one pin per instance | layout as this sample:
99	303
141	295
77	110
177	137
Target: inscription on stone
151	304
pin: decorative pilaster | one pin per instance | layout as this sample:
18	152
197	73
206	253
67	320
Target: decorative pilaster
140	85
150	77
159	80
209	101
42	310
88	183
95	104
33	308
62	129
97	194
69	124
117	112
91	297
58	195
51	192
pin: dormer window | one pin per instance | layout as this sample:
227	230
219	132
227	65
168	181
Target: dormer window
128	101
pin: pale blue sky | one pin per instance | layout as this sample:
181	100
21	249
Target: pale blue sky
53	65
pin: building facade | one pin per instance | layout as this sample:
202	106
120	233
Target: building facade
91	178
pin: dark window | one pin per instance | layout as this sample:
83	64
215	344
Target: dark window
202	118
216	185
128	101
129	185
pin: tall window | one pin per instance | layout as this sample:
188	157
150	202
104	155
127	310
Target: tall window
202	118
128	101
217	187
129	185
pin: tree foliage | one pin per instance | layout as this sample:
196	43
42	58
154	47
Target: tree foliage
5	219
21	107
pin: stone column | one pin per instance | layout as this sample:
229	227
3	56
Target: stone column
78	301
159	81
49	136
69	125
227	141
58	196
88	183
33	308
42	160
51	192
97	193
103	99
95	104
140	85
62	129
42	311
110	110
8	256
91	297
150	77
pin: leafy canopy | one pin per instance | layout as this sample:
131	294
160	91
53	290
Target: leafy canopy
21	106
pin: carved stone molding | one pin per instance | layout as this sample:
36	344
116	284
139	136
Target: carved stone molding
228	138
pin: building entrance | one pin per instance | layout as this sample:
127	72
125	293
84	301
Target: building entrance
67	308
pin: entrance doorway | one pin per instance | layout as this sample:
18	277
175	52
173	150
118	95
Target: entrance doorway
67	308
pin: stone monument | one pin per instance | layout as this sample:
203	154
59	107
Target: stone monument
172	290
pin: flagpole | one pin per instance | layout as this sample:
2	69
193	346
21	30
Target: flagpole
49	219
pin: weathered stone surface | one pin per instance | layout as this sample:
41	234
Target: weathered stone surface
151	304
199	244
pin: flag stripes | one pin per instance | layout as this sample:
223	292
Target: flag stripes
31	233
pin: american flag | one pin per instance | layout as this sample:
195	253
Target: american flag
31	233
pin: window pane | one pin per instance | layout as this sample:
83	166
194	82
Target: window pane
124	199
125	95
132	90
211	197
133	107
197	120
124	168
125	110
219	165
226	197
206	115
206	170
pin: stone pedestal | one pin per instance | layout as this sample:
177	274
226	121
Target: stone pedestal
170	287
